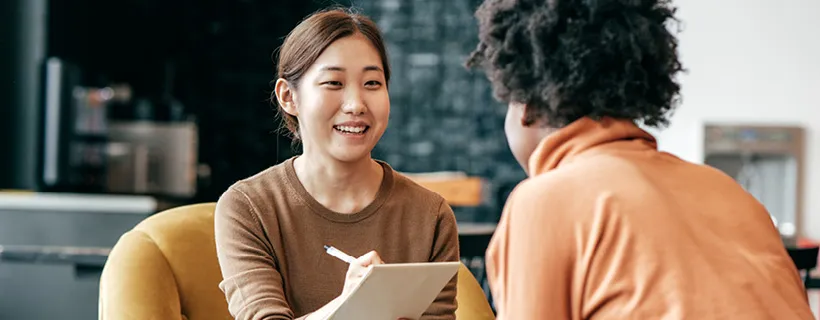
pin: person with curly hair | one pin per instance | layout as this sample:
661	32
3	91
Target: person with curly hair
606	226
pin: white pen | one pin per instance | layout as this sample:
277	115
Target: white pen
339	254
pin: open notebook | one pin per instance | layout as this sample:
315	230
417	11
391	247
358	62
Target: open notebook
393	291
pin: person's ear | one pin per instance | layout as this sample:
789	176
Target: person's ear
520	111
285	95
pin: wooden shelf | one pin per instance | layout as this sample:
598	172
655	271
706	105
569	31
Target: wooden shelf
457	190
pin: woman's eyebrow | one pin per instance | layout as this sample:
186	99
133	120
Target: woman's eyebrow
337	68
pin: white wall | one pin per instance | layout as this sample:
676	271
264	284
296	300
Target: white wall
753	61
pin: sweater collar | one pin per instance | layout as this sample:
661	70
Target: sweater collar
582	135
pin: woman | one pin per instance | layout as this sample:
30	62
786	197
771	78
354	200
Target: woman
271	228
606	226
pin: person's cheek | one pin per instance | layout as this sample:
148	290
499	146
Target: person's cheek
512	129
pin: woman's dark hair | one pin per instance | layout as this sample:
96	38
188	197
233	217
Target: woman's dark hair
305	43
567	59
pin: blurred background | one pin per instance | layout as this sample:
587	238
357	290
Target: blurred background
111	111
201	72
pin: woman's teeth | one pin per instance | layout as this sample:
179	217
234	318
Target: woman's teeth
348	129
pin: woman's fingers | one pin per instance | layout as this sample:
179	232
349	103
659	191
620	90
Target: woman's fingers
358	268
370	258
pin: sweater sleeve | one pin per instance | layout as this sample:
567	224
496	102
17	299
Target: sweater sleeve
251	280
445	248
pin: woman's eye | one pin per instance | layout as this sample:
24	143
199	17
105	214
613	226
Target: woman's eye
373	84
333	83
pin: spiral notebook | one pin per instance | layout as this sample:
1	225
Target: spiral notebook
398	290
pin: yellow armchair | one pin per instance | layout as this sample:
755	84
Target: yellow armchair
166	268
472	303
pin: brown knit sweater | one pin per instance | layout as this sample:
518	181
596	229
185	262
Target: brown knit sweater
270	235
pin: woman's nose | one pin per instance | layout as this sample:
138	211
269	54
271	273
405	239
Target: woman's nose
354	104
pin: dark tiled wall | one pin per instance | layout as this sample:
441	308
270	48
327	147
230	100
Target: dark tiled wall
228	71
443	116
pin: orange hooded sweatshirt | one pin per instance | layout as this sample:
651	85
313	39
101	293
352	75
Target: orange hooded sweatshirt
608	227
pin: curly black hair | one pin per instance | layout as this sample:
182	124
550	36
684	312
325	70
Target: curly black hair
568	59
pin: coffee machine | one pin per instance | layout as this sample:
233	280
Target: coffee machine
85	149
74	129
159	158
767	160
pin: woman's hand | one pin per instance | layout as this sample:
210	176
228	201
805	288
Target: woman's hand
357	270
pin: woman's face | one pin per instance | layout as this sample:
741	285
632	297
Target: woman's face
341	102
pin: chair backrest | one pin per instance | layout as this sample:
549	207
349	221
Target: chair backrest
805	259
166	268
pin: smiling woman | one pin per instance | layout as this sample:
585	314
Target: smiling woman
271	229
341	98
